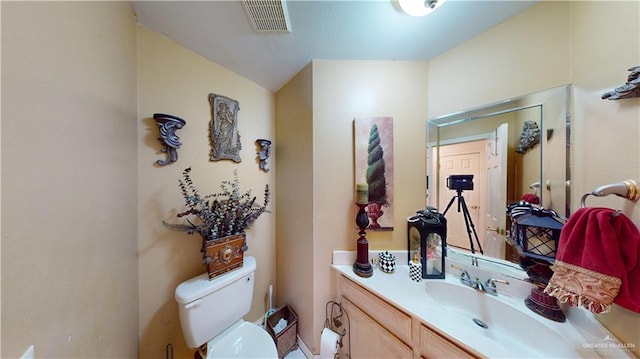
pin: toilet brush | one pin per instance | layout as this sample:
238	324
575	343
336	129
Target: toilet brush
271	309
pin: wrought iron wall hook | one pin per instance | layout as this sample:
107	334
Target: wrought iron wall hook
264	151
168	125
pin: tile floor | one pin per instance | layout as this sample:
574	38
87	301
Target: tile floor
296	354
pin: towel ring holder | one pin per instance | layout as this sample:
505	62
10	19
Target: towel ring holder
629	189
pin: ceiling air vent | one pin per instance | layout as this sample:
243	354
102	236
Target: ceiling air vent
267	15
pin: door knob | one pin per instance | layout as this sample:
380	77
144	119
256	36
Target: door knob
497	230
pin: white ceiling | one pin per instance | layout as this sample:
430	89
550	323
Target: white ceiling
321	29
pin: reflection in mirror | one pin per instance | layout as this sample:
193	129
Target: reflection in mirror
515	149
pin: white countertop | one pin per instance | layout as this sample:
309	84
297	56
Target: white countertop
581	331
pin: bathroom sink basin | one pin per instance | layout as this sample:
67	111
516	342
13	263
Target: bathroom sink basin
492	326
505	321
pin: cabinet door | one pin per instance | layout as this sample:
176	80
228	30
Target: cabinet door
393	319
434	346
369	339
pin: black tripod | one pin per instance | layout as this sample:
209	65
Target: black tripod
467	219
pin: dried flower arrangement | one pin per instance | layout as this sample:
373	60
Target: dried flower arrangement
220	214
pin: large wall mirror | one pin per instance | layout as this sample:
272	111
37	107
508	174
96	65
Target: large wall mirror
514	149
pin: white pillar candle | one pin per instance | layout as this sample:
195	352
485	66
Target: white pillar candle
362	193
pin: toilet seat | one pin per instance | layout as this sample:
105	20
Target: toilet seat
242	340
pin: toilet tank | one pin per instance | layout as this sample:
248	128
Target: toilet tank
208	307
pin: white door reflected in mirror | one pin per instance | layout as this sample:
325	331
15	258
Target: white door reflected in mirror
496	170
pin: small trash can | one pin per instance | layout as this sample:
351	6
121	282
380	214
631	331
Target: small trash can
286	339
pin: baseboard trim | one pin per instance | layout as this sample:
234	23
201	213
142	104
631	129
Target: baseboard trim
305	349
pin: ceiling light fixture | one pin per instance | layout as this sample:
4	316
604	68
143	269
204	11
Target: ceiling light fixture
417	7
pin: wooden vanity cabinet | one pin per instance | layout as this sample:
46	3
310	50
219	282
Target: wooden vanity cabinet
369	339
378	329
435	346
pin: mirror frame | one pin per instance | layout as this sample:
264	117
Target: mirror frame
543	99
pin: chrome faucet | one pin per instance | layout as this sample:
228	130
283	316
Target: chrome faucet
465	278
474	261
490	285
477	285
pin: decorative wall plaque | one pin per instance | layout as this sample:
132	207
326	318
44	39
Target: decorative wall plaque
223	129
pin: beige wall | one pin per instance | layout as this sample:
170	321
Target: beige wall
69	159
323	216
606	132
294	223
344	90
176	81
530	51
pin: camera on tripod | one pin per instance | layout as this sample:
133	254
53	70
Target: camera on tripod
460	182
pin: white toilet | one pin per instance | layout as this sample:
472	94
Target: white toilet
211	313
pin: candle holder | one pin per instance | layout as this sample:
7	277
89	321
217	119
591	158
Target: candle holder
361	266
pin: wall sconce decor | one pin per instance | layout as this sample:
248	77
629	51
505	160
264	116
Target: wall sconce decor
529	137
628	90
427	242
224	136
264	151
170	141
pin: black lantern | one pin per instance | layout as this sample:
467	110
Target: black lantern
427	242
534	231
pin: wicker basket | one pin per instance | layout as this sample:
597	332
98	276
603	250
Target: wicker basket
287	339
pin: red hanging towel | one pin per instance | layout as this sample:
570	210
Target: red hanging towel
531	198
597	261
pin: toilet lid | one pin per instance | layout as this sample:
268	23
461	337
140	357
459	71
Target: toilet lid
247	340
